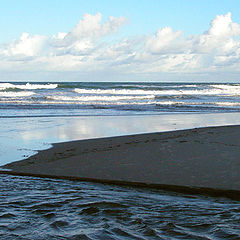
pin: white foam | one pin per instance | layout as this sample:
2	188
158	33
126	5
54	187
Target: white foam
28	86
170	103
210	92
99	98
113	91
227	103
4	86
38	86
199	103
224	86
16	94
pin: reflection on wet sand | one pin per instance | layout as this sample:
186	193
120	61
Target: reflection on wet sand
20	137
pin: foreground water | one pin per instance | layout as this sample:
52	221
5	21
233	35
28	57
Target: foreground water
34	208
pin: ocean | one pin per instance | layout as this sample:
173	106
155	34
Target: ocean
34	115
64	99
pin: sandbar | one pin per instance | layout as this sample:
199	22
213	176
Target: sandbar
201	160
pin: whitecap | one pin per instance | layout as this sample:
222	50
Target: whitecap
99	98
16	94
27	86
208	92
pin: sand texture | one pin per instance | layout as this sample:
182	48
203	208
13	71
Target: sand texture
196	158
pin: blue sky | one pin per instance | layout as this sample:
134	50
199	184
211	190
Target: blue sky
48	17
30	43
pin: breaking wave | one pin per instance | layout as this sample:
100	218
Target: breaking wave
214	90
119	97
27	86
16	94
99	98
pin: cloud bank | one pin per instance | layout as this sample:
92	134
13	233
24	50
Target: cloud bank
88	49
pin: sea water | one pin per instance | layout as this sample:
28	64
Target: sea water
63	99
34	115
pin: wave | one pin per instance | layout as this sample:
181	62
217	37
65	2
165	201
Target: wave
99	98
222	104
228	89
27	86
12	97
4	86
226	86
113	91
117	96
227	103
125	91
134	90
208	92
16	94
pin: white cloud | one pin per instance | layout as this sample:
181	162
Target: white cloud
86	49
27	46
83	38
222	26
219	38
165	41
91	27
88	30
210	51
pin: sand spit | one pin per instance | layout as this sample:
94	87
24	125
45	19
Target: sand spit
201	160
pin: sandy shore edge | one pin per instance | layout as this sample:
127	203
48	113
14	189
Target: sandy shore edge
200	160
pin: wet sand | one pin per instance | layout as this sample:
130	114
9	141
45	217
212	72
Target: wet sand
198	160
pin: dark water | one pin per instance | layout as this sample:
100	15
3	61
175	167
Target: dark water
34	208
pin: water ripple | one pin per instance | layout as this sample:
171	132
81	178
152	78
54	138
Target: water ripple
34	208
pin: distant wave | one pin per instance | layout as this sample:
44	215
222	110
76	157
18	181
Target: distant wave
115	98
199	103
28	86
226	86
214	90
16	94
99	98
125	91
114	91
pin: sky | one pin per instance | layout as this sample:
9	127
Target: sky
127	40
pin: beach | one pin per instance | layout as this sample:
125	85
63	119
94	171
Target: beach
200	158
120	120
117	160
156	134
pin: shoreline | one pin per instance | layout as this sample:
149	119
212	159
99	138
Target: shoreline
22	137
232	194
199	160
